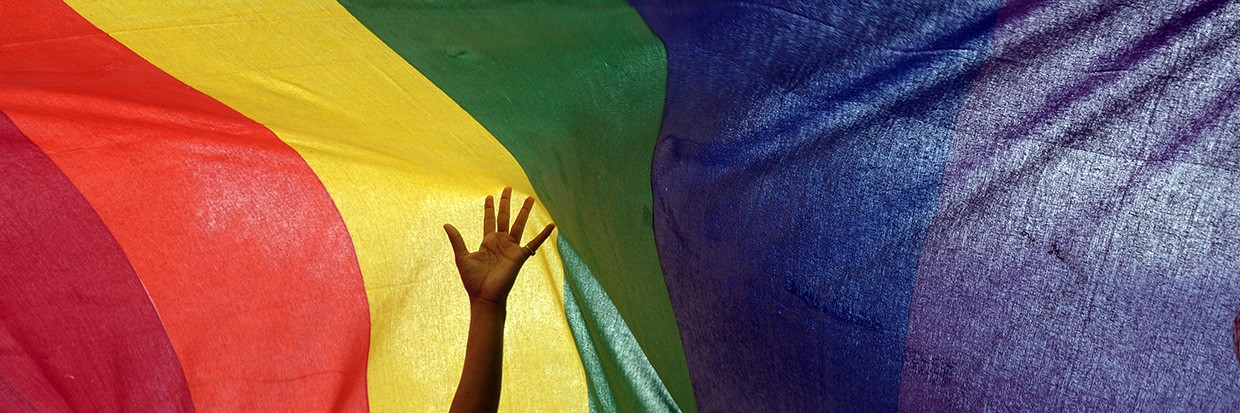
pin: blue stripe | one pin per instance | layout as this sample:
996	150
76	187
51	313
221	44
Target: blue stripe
795	176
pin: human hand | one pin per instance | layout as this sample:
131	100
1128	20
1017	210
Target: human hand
489	273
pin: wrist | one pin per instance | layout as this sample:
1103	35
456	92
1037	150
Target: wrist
482	306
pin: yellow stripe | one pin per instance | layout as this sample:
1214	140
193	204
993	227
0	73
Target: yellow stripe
399	158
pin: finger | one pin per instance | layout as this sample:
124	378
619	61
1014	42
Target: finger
503	209
458	244
488	220
518	226
542	236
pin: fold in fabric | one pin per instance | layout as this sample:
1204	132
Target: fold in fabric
237	243
1084	255
795	175
621	377
399	159
79	332
574	90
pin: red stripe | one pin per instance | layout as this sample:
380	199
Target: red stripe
1235	336
241	249
77	331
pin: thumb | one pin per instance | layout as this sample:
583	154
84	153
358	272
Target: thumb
458	245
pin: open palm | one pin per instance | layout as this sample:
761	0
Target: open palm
489	273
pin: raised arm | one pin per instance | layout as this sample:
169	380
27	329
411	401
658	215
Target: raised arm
488	275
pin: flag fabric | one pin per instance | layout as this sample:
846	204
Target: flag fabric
761	206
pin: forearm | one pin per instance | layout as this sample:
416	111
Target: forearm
479	388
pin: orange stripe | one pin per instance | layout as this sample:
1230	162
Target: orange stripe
237	242
66	281
399	157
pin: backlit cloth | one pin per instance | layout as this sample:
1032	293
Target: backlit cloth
762	205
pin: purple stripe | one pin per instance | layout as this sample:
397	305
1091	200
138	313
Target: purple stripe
1085	252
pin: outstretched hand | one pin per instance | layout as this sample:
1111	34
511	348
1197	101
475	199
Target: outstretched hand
489	272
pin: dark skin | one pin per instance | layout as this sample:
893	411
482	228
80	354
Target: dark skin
488	275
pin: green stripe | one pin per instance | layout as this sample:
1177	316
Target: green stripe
574	90
614	361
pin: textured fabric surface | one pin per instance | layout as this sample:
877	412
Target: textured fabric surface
1236	336
621	376
1085	255
574	90
399	159
78	332
795	175
859	205
213	212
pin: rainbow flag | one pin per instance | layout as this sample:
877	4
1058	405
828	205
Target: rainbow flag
762	206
